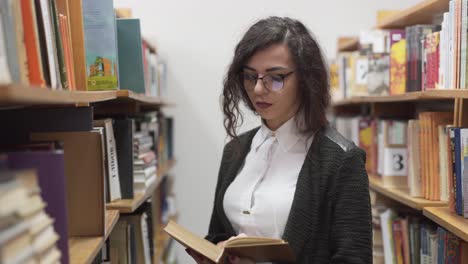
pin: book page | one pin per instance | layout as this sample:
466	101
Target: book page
253	241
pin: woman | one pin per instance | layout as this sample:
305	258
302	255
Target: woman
293	178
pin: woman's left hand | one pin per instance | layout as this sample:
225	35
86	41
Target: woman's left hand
237	260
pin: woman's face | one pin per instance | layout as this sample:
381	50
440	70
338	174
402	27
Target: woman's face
278	102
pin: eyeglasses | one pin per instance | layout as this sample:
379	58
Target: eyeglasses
272	82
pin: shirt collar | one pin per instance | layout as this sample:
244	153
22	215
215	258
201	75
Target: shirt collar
288	134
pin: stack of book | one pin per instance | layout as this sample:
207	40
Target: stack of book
75	45
144	163
27	233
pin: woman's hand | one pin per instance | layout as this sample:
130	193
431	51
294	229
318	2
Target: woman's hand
200	259
235	259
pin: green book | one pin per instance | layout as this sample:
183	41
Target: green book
131	70
59	46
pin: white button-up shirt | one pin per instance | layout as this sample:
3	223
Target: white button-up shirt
259	200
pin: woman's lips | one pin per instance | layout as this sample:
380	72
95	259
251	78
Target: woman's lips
263	105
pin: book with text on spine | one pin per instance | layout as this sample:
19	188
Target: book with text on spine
258	249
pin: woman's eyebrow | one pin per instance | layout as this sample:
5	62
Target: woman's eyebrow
268	70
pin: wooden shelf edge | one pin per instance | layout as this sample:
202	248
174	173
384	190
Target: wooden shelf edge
412	96
85	249
349	45
426	8
130	205
402	196
14	94
452	222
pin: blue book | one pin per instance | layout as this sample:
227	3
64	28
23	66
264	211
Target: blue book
100	45
50	168
131	69
458	172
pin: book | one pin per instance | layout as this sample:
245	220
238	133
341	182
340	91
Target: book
50	167
379	76
112	166
10	33
123	132
59	46
31	41
100	45
130	55
256	248
397	62
414	176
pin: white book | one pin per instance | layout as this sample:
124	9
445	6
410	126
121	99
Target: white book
50	45
440	84
386	219
463	45
6	12
145	238
443	166
112	167
451	79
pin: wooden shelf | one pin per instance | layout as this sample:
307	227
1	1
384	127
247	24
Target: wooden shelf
422	13
18	95
452	222
407	97
130	205
349	44
402	196
85	249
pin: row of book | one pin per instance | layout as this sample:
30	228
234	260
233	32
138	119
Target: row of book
27	230
427	156
75	45
396	61
400	236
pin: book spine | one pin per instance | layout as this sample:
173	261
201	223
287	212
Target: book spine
62	69
457	172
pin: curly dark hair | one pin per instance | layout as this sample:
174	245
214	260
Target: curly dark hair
311	68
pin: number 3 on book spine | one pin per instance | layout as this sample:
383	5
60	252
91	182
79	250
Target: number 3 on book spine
395	163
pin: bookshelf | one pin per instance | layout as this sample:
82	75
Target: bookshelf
130	205
402	196
452	222
84	249
11	95
421	13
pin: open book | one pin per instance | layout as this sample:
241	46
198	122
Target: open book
258	249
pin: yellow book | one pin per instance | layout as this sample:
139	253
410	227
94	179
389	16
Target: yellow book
259	249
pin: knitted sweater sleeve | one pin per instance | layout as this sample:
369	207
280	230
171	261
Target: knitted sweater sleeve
351	237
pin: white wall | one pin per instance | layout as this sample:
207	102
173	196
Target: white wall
197	40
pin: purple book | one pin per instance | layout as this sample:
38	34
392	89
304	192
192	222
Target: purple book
50	167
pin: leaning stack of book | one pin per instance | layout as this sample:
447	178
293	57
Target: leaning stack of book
27	233
144	163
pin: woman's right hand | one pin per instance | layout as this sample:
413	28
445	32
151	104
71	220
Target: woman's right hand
200	259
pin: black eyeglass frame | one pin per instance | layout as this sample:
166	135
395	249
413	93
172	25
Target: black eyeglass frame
283	77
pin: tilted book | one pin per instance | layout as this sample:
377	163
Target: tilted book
258	249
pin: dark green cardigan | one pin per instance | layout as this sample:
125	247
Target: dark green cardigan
330	217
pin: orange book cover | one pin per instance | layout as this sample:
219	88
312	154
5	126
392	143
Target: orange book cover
78	43
398	241
31	42
424	154
398	68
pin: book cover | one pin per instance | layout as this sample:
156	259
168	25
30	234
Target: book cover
110	159
100	45
68	57
50	168
359	69
365	140
130	55
31	41
59	46
458	171
398	241
20	45
123	132
11	55
444	163
398	67
453	249
414	176
379	75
